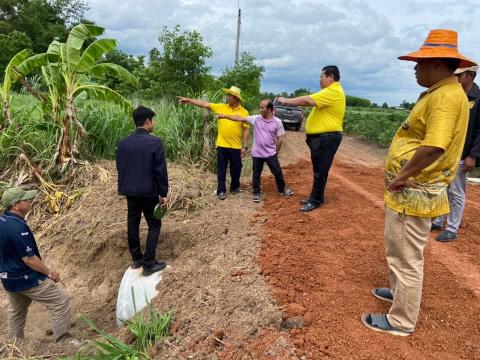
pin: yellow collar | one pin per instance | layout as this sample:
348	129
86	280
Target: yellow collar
448	80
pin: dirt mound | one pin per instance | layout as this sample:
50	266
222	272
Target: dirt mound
213	285
88	246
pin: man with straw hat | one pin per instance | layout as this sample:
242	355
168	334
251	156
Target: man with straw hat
471	151
422	160
24	275
232	138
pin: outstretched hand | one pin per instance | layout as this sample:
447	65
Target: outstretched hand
183	100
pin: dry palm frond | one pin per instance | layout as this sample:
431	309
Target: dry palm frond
55	197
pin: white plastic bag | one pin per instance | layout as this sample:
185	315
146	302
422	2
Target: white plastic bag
144	289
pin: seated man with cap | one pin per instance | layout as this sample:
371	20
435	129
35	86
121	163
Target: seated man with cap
471	151
24	275
230	137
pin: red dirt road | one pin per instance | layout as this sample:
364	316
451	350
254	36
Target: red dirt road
327	261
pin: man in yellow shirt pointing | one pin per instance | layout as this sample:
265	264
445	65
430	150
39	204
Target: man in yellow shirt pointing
232	138
324	130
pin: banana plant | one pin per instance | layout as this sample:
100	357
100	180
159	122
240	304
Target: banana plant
17	69
73	73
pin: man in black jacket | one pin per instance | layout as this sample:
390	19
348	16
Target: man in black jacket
471	152
143	179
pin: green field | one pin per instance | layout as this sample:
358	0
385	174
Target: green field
377	126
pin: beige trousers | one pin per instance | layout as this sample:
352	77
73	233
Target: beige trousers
405	239
46	293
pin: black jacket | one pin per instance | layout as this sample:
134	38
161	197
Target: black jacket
141	166
472	140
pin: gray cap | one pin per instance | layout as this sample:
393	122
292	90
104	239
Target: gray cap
15	194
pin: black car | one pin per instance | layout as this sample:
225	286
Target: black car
291	116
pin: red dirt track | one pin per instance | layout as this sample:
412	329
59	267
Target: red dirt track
328	260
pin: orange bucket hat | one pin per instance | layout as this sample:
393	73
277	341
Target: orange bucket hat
440	43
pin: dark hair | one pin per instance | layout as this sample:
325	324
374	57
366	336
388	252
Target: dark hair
330	70
470	73
142	114
451	64
269	104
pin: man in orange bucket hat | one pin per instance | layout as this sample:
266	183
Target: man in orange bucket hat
421	162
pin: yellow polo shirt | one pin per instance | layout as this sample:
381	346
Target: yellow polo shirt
230	132
439	119
329	110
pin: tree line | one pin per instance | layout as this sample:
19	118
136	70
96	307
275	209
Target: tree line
178	65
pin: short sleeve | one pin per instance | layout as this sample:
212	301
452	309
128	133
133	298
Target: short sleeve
217	108
441	122
246	114
251	119
280	128
22	248
324	98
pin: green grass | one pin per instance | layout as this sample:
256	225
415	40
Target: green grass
147	327
374	125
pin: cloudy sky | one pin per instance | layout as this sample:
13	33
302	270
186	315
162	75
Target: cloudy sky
293	39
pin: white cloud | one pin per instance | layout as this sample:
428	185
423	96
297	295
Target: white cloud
294	39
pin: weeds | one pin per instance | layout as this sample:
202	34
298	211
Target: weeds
146	327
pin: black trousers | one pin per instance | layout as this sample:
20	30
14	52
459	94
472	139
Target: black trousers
322	150
224	157
274	166
137	206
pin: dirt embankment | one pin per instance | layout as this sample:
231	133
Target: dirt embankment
238	267
213	286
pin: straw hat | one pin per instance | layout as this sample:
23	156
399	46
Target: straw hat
235	91
440	43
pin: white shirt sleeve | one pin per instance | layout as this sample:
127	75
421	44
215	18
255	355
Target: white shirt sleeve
280	128
251	119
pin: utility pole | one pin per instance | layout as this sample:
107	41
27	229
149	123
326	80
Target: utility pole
237	46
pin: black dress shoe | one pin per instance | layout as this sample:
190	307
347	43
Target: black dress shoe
309	206
436	227
155	267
